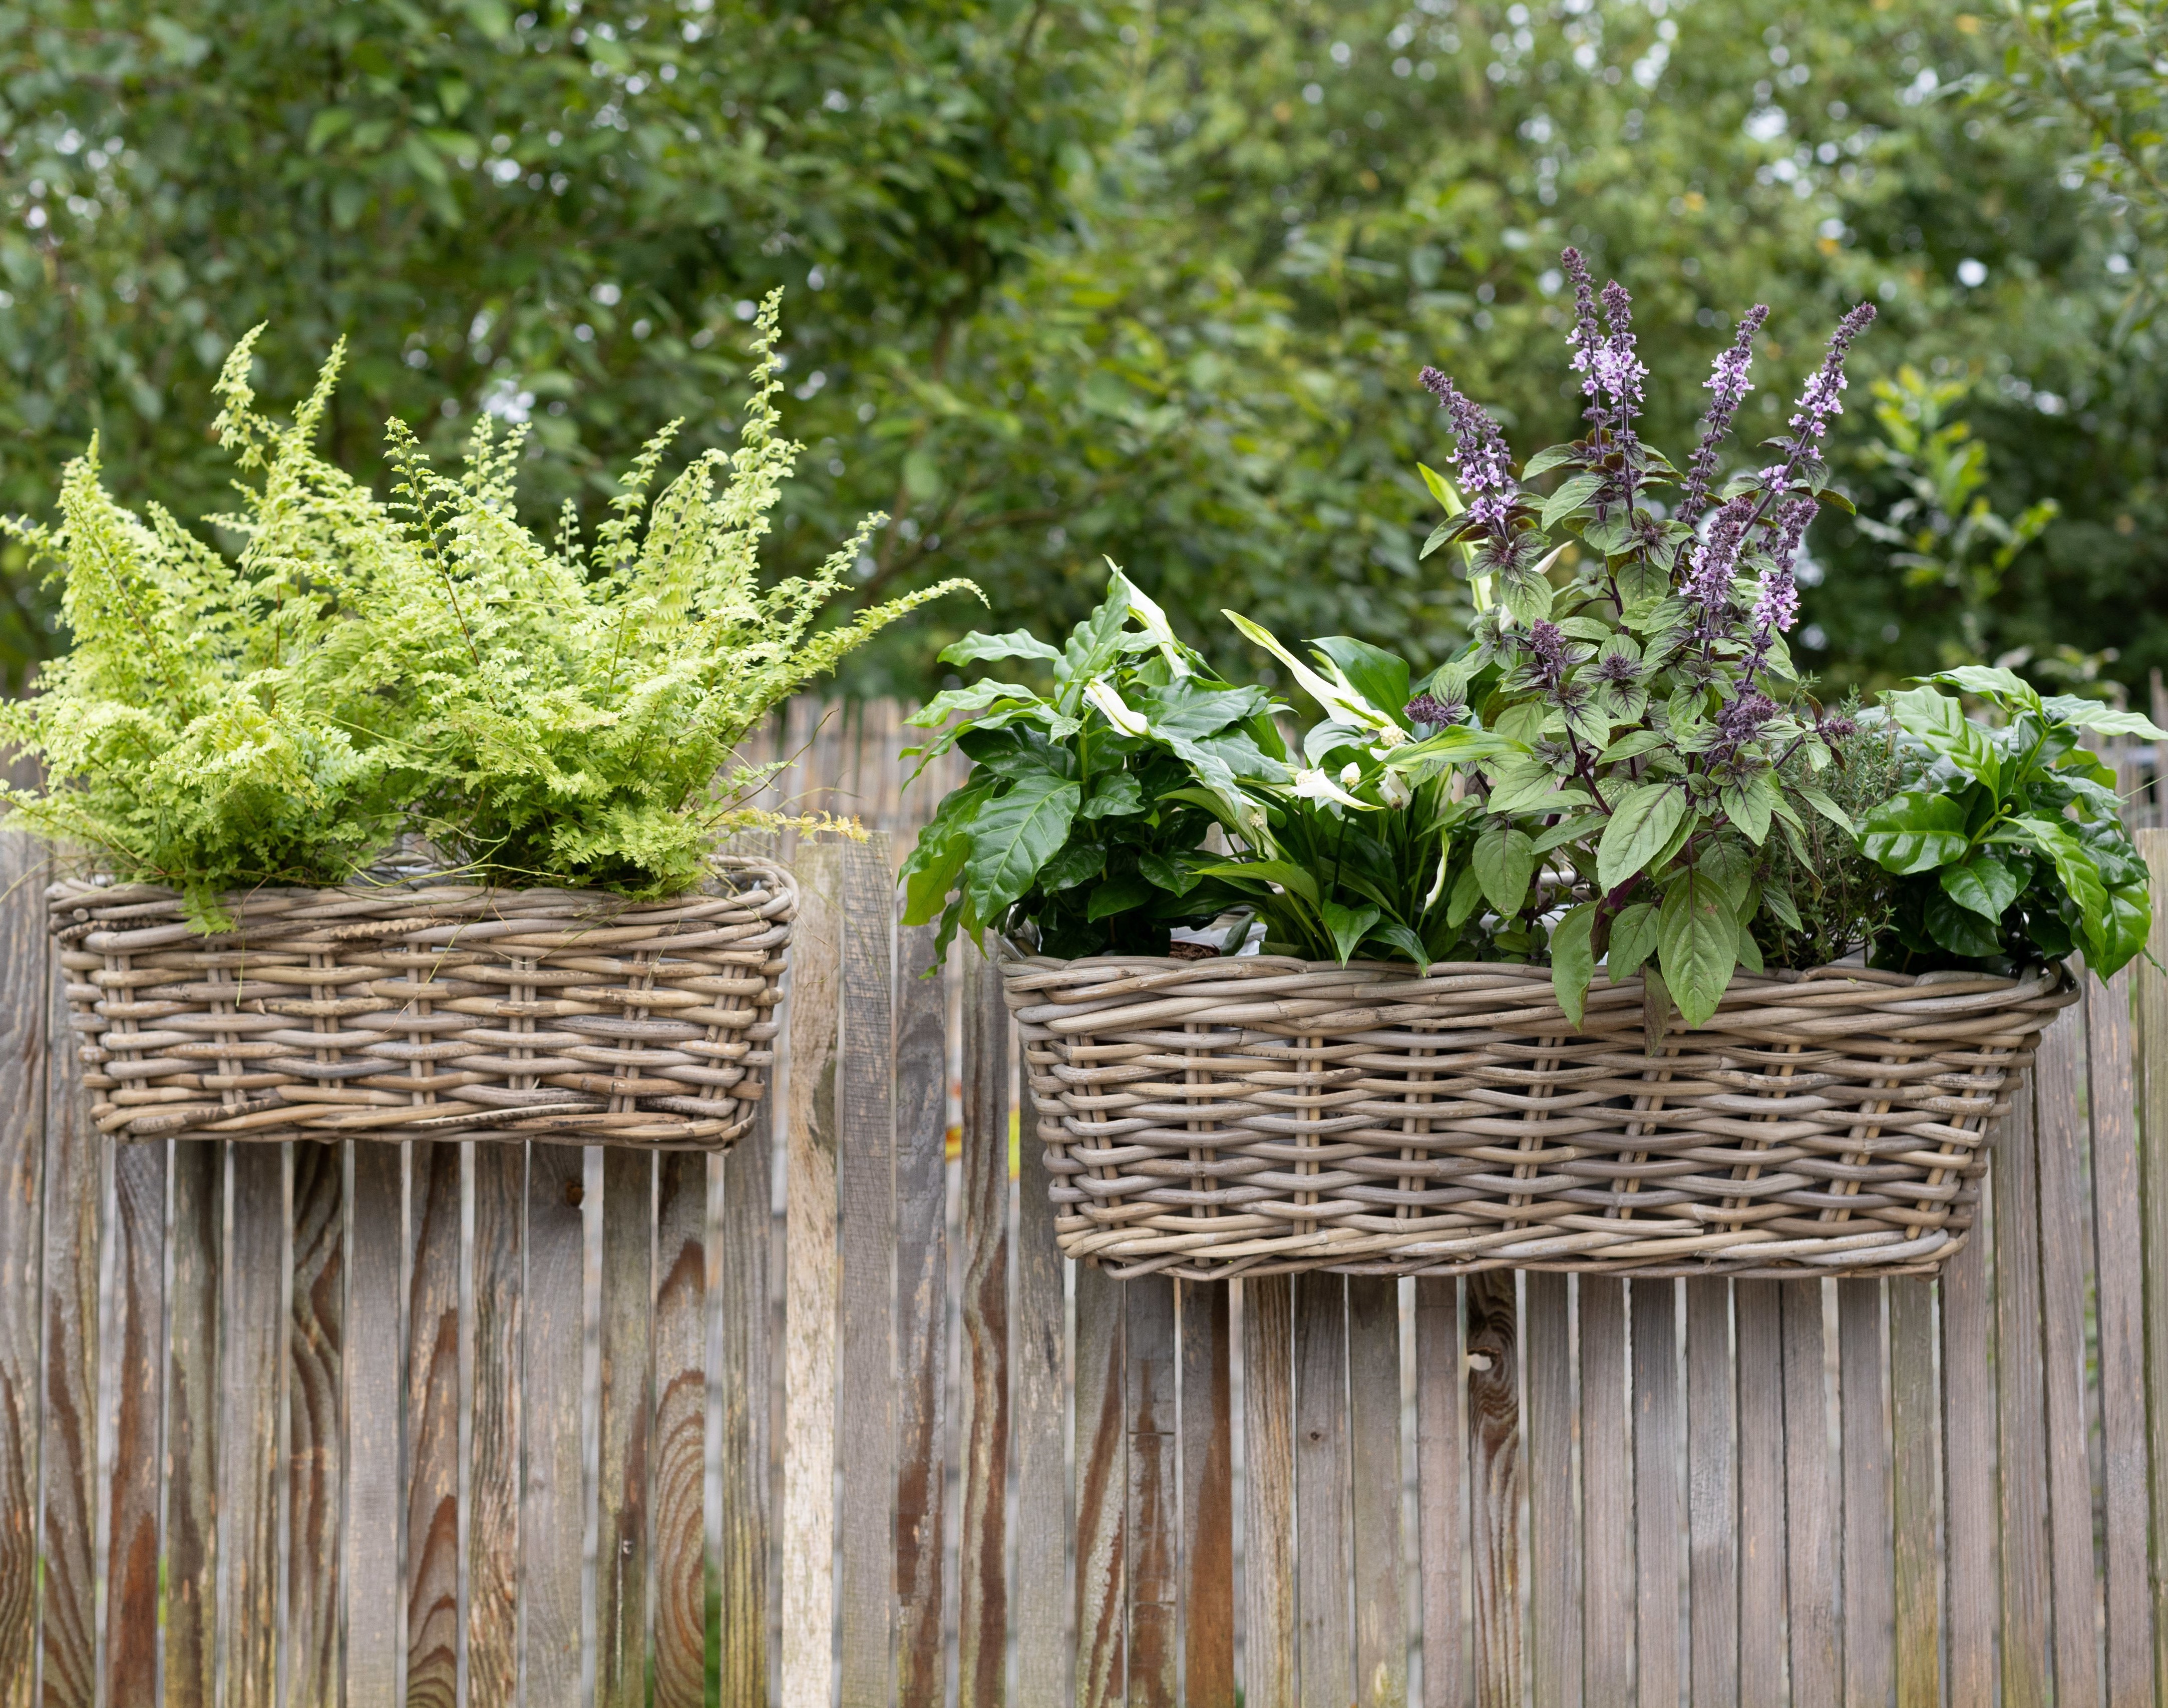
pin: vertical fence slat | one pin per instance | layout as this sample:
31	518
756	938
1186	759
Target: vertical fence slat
1152	1578
1554	1631
679	1529
1208	1499
1373	1428
552	1521
253	1349
2120	1304
2021	1412
1037	1355
744	1524
1811	1493
866	1184
1870	1624
499	1177
1101	1483
68	1442
24	949
2153	1186
1495	1477
1442	1517
376	1482
922	1321
809	1442
192	1413
1657	1417
1606	1475
1968	1455
137	1322
1712	1500
628	1306
315	1428
2061	1139
1760	1361
1322	1563
982	1587
433	1426
1268	1648
1917	1642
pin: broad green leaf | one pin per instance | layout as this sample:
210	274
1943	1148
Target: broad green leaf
1442	489
1526	595
1957	928
1750	808
1114	795
1990	683
1462	743
1467	896
1631	745
1504	861
2128	921
1529	785
2079	875
1640	826
1698	945
1940	721
1073	866
2092	714
1401	938
1827	807
936	861
1546	459
1288	876
1117	895
1013	836
1916	832
1778	906
971	698
1984	884
1571	495
1017	643
1633	940
1573	959
1380	677
1349	925
1163	874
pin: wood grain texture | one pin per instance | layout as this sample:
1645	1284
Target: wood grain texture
499	1174
809	1442
679	1525
1555	1630
922	1317
376	1394
433	1426
1495	1470
253	1351
1269	1677
1659	1512
315	1429
552	1519
25	967
2152	991
627	1328
2059	1136
1914	1431
136	1321
1151	1531
1037	1349
1712	1500
1325	1645
744	1524
1758	1338
1208	1497
1373	1451
866	1188
1811	1493
1606	1474
1869	1588
2120	1303
198	1168
1970	1403
1101	1485
982	1581
1441	1507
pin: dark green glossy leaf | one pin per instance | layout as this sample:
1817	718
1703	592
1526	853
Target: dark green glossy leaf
1914	832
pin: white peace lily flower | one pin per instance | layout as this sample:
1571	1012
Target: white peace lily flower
1115	710
1391	736
1147	612
1319	786
1339	698
1350	774
1395	786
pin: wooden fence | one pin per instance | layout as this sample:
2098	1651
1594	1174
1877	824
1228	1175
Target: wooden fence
827	1419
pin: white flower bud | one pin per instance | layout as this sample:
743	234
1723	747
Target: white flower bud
1395	786
1350	774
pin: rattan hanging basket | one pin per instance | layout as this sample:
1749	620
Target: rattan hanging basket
1261	1116
424	1009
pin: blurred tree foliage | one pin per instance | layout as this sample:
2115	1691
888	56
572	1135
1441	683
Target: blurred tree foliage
1146	280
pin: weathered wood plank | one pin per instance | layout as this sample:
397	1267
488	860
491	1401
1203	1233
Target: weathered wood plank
1914	1431
1712	1500
498	1182
199	1219
1760	1360
315	1431
2152	988
1441	1514
375	1390
1658	1517
1606	1472
1101	1483
1373	1442
982	1580
24	966
922	1317
866	1185
2119	1292
1811	1492
1269	1679
137	1325
1327	1646
552	1519
1554	1627
1153	1492
627	1326
1495	1483
1036	1354
2061	1139
1208	1497
808	1444
255	1357
680	1531
433	1426
1969	1456
1869	1623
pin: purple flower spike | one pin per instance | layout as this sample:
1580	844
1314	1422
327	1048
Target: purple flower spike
1547	642
1438	713
1586	340
1480	455
1776	606
1729	385
1824	394
1717	557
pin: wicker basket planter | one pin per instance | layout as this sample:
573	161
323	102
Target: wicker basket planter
420	1011
1259	1116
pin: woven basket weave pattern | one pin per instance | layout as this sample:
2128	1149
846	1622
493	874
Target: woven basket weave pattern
420	1011
1261	1116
